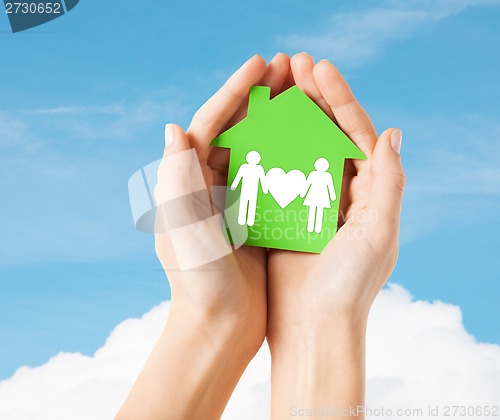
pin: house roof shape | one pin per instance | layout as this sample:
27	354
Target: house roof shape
293	121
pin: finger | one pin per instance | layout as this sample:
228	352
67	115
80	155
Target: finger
277	73
289	81
216	112
350	115
177	173
302	68
218	161
180	184
173	182
274	77
188	235
389	180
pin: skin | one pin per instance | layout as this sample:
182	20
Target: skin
313	308
319	304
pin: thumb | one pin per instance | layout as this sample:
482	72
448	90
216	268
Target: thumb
180	182
389	179
177	170
184	213
175	140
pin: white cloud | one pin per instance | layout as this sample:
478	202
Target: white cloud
418	354
74	386
352	37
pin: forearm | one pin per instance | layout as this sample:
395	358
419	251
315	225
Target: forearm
317	370
191	371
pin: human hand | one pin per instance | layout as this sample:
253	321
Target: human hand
318	304
232	287
217	317
344	279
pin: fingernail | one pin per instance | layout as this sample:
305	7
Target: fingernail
253	57
169	134
396	139
246	62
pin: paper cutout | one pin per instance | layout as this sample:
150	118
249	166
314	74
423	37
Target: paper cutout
286	167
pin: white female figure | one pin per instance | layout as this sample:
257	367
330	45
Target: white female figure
319	192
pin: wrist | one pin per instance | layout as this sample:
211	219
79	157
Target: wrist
225	330
209	354
310	327
311	336
314	368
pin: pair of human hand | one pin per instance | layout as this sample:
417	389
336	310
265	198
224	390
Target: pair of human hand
270	292
312	308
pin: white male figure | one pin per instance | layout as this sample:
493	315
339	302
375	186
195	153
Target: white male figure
250	174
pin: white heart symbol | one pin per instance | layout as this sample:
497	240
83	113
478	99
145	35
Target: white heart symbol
285	187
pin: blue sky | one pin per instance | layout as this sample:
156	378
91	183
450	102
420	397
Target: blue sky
83	102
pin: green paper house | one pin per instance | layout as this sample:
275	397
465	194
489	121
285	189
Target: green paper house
286	166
